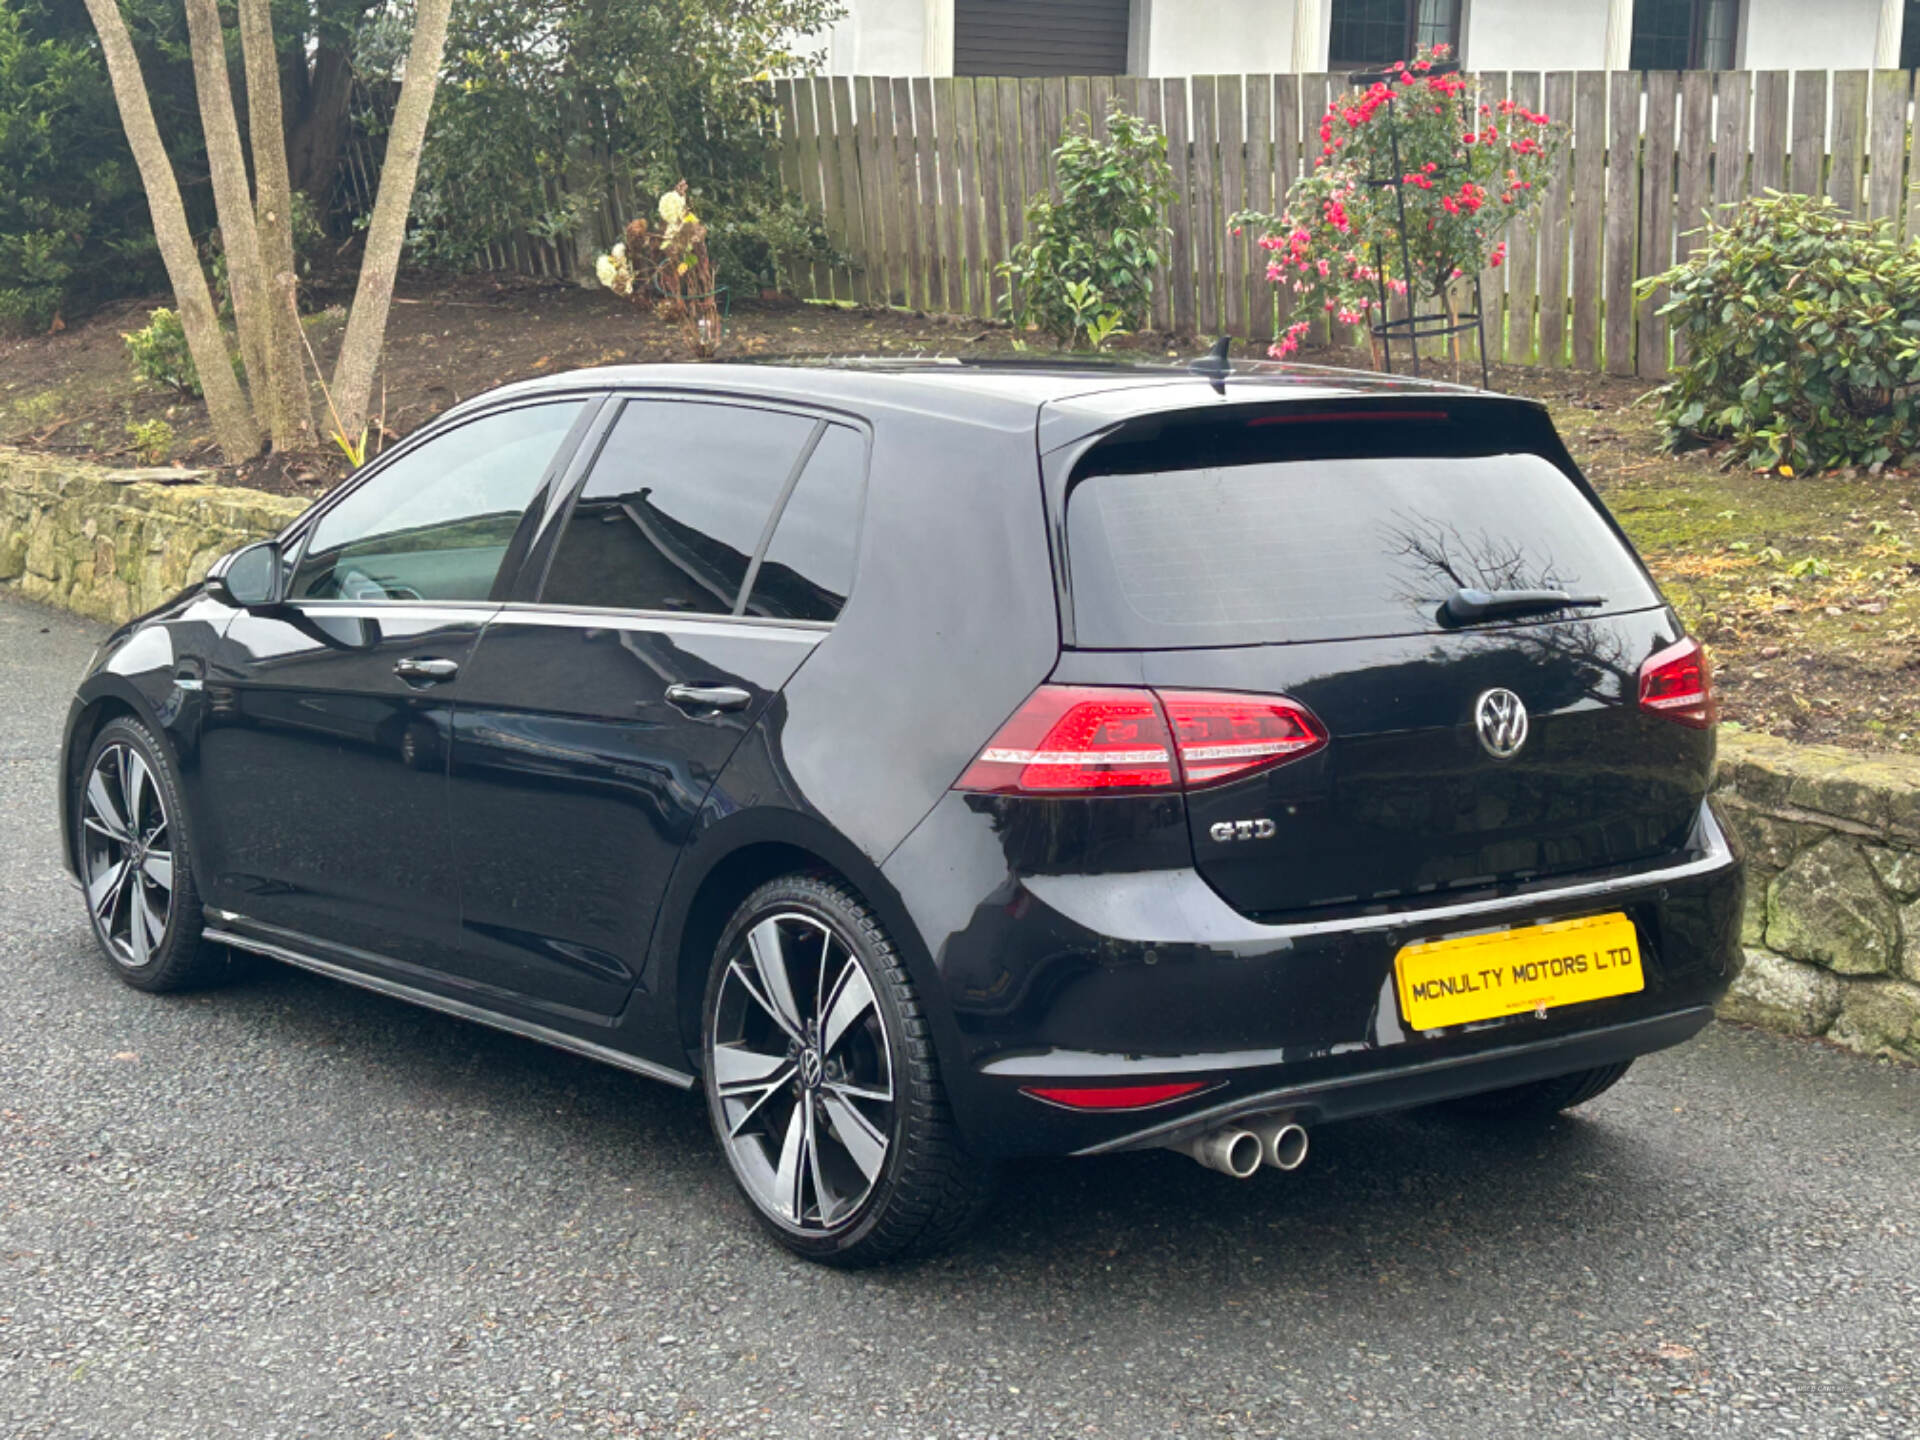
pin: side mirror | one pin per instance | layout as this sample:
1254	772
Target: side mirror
248	577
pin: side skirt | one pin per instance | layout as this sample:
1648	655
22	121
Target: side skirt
380	985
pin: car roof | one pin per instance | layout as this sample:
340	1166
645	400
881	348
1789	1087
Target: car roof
1079	394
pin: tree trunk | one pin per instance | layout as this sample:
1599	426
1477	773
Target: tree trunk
233	427
288	407
367	324
321	123
232	200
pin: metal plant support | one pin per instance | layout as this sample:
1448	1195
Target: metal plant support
1413	327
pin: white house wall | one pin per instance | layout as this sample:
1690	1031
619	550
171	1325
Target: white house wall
1219	37
1810	34
881	37
1203	37
1536	34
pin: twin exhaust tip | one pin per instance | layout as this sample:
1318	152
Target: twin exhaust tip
1239	1150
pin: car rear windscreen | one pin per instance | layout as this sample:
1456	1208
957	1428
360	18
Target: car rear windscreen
1263	532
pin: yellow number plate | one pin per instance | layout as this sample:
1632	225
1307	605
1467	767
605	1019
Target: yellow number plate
1455	982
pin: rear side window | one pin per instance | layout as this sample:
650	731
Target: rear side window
1234	535
808	568
676	507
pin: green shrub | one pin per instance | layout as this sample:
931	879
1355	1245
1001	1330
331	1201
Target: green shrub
1086	273
1802	327
160	354
152	441
74	224
538	103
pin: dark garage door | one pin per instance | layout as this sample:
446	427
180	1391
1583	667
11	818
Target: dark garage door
1040	37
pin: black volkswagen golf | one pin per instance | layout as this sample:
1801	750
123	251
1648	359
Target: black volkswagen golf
939	763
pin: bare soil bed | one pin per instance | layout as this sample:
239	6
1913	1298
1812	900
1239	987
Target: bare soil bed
1807	589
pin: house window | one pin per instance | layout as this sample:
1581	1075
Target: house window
1910	37
1684	34
1040	37
1368	34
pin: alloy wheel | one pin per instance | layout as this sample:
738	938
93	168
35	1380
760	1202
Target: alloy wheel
127	855
802	1073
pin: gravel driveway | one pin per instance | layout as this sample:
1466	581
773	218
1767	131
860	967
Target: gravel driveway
294	1209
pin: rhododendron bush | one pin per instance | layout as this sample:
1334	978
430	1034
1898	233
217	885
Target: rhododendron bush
1426	137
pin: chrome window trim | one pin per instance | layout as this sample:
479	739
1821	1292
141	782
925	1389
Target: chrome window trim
382	609
428	999
585	617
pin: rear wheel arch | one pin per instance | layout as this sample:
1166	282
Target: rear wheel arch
705	894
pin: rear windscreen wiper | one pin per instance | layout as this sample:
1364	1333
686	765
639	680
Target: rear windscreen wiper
1467	606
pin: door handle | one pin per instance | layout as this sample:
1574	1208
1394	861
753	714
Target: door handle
697	700
426	669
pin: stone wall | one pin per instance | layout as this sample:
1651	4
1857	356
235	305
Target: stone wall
114	543
1832	927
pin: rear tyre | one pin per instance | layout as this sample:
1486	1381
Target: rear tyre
822	1085
1541	1099
131	842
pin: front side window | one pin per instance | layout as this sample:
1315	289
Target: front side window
1371	34
1684	34
676	507
435	523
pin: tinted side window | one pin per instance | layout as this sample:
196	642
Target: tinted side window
435	524
808	568
675	507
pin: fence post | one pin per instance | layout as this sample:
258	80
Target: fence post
1807	173
1558	103
1847	138
1656	216
1180	249
1259	196
1623	216
1887	142
1589	210
1523	248
1206	214
1696	166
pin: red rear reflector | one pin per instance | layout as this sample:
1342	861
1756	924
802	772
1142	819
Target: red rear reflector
1070	738
1079	739
1114	1097
1678	684
1225	737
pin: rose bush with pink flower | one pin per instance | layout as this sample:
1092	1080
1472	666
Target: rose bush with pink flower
1467	166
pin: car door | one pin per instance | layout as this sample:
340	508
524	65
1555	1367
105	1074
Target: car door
326	750
706	554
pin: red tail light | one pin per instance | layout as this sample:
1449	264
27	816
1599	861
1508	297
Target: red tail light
1223	737
1678	684
1071	739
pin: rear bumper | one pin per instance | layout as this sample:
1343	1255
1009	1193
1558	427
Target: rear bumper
1402	1087
1111	980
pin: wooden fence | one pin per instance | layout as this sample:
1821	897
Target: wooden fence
924	183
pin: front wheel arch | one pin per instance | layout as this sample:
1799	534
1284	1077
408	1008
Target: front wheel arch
92	717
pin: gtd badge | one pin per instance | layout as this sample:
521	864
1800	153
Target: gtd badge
1501	719
1225	830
